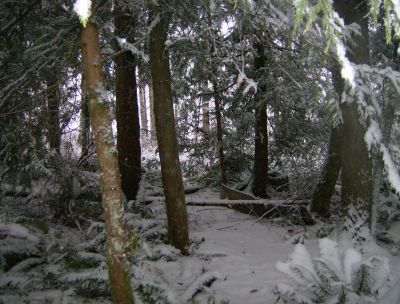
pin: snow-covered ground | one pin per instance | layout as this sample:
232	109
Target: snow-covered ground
234	254
244	251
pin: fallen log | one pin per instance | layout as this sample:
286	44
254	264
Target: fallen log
268	208
263	208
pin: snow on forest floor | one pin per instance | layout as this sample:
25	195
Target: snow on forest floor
247	252
244	251
237	249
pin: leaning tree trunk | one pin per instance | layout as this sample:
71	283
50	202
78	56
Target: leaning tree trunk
260	170
53	110
166	137
356	161
118	266
326	186
127	114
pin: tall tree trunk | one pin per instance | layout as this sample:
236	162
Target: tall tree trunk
220	142
356	162
152	117
84	136
118	266
218	107
53	110
143	105
261	132
326	186
390	103
205	110
166	136
127	114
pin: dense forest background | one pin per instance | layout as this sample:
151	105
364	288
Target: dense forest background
112	124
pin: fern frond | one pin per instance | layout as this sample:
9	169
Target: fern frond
27	264
290	295
99	274
362	279
328	276
16	246
13	280
206	279
18	231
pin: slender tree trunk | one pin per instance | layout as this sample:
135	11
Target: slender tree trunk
205	109
220	142
261	132
218	108
166	137
143	106
118	266
152	117
128	128
53	111
84	136
356	161
326	186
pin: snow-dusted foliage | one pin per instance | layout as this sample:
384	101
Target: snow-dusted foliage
334	277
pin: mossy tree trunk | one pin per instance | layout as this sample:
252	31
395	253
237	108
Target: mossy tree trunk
166	136
127	114
113	203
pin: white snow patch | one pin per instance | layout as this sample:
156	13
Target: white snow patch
351	258
82	8
330	253
347	70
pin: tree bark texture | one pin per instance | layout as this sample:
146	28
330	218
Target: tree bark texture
143	106
53	110
220	142
205	109
84	136
326	186
152	117
166	137
356	161
322	195
118	266
218	108
127	114
261	132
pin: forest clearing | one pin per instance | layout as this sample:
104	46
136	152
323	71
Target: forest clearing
200	151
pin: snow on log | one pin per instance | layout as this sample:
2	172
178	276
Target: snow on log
267	208
246	203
